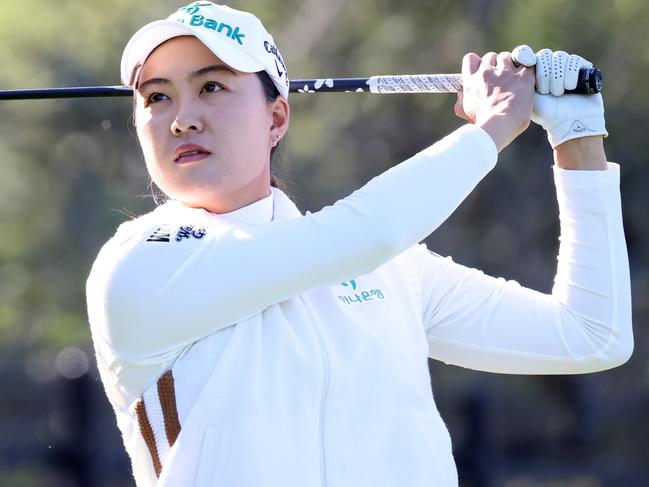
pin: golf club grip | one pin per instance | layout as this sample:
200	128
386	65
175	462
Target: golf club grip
589	82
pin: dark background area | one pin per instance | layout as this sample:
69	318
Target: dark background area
71	171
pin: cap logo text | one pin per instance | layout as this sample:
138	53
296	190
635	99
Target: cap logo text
200	21
194	7
270	48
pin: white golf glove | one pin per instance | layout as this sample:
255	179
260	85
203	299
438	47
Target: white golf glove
564	117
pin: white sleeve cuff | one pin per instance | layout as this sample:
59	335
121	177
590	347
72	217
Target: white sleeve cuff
567	179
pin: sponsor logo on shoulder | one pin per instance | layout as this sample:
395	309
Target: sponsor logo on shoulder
189	231
163	233
361	296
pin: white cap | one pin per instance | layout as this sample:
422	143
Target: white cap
238	38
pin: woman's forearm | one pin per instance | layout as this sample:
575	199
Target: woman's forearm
586	153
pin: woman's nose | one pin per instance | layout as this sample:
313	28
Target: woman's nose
185	123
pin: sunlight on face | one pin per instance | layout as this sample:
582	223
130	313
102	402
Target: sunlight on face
205	129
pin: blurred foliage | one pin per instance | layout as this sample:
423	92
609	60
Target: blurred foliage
72	171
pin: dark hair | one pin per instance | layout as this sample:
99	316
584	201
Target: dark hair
271	92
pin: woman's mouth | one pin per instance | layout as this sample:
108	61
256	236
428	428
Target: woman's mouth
190	153
191	156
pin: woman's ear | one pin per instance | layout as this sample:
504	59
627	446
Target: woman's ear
280	121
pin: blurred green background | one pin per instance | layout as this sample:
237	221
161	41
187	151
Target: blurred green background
71	171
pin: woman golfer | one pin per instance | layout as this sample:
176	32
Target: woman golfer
244	344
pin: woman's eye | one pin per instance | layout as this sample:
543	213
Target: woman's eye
212	87
155	97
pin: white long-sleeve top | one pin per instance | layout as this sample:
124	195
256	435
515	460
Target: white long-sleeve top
268	348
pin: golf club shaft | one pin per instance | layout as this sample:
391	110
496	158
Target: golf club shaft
590	82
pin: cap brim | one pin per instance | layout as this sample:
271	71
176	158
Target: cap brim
145	40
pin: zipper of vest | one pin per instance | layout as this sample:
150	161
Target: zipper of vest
323	400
